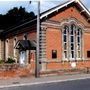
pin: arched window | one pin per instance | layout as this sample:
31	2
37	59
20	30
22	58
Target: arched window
72	41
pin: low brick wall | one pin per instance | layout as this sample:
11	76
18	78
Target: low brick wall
67	65
14	70
61	68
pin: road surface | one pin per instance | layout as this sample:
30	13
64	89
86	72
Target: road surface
67	85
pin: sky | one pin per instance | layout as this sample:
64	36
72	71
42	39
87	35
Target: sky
6	5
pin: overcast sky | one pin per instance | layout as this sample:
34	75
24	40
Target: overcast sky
5	5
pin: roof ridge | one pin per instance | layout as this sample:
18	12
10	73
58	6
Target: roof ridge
56	8
69	1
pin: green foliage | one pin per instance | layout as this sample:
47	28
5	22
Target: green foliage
10	60
1	61
15	17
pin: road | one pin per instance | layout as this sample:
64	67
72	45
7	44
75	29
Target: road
68	85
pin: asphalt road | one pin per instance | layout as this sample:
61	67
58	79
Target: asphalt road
68	85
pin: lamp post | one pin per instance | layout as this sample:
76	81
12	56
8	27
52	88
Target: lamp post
37	49
38	31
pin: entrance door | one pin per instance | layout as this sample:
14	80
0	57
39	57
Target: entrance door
22	60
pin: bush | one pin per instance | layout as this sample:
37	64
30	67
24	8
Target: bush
1	61
10	60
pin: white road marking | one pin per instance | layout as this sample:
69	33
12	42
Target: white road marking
46	82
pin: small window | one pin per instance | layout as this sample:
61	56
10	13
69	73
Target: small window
88	54
72	38
54	54
65	54
72	46
78	54
65	29
72	54
65	38
65	46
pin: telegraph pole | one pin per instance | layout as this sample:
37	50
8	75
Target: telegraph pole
37	48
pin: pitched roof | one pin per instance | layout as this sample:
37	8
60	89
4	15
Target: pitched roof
25	45
29	23
77	3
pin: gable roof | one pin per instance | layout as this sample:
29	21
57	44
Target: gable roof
77	3
25	45
30	23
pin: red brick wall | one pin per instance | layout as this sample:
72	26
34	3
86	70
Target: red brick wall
53	42
32	36
20	37
86	44
54	39
67	65
70	12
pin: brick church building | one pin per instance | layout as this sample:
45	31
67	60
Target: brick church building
63	39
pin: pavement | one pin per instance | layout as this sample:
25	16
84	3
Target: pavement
13	82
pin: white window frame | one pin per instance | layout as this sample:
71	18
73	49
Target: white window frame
64	58
75	43
70	58
80	50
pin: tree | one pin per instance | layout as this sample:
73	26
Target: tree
15	16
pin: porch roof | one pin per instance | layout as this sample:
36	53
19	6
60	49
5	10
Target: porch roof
25	45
